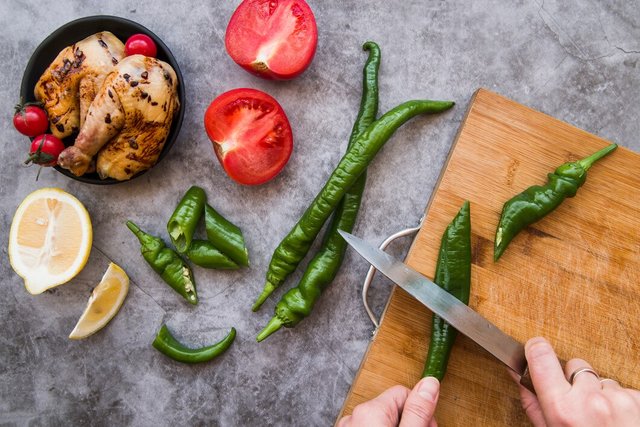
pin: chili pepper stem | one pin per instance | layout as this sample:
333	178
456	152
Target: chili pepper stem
268	289
274	324
135	229
588	161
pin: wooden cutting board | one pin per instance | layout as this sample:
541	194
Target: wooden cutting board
573	277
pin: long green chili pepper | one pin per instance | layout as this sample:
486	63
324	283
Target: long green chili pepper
204	254
183	222
166	344
167	263
298	302
226	236
296	244
537	201
453	273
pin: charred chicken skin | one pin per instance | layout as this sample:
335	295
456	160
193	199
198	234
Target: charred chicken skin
71	82
128	122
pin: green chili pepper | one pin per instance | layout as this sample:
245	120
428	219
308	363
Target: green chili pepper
183	222
226	237
167	263
296	244
453	273
537	201
204	254
166	344
298	302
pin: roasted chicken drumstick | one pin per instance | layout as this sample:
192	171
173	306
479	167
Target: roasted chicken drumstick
128	122
71	82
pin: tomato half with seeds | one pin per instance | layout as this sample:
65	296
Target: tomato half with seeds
274	39
250	133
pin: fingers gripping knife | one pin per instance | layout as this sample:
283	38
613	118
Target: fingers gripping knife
453	311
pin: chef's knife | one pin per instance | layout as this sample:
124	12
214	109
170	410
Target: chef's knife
459	315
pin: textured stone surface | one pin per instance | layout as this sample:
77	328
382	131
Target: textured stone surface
576	60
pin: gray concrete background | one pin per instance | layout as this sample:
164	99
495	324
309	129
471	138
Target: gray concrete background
577	60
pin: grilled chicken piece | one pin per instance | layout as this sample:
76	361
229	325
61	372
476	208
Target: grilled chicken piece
128	121
71	82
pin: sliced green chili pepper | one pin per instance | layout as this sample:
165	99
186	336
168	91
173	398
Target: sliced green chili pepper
183	222
204	254
167	263
296	244
298	302
537	201
453	273
226	236
166	344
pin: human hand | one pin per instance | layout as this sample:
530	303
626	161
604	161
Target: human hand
584	400
398	406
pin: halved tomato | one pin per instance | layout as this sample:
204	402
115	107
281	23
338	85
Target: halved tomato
250	133
275	39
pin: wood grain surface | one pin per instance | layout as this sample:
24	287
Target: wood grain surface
573	277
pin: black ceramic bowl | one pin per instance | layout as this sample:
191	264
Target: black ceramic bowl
77	30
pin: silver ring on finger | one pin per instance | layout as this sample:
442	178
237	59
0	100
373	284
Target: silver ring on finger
579	371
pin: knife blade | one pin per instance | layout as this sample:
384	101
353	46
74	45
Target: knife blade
467	321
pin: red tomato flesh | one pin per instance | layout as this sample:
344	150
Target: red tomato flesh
275	39
250	133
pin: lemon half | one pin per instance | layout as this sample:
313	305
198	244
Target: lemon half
104	302
50	239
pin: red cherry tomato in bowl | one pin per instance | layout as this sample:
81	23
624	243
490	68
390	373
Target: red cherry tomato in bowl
251	135
45	150
274	39
140	44
30	120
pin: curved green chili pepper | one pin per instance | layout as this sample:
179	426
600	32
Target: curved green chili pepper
298	302
166	344
537	201
183	222
226	236
167	263
453	273
296	244
204	254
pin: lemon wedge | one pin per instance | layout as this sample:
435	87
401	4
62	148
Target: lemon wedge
104	303
50	239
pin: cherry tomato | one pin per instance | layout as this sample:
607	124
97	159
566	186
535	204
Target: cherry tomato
250	134
30	120
274	39
140	44
45	150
